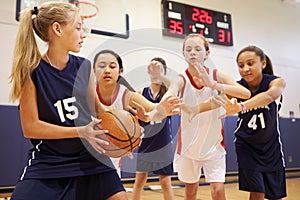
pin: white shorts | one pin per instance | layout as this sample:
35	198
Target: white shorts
214	168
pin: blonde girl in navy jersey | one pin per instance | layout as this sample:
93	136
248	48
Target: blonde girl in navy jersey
258	145
57	98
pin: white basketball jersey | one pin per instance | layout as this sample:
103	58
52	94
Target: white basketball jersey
202	134
117	103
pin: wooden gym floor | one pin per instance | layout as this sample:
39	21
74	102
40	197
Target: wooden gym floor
152	190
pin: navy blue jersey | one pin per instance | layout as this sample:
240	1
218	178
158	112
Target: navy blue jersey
157	143
258	143
62	100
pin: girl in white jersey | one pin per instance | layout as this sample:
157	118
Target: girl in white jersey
112	95
199	143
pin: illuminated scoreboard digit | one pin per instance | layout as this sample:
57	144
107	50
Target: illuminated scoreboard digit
181	19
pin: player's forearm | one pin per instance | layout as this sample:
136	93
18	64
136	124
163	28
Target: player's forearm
206	106
233	90
165	80
156	115
140	99
44	130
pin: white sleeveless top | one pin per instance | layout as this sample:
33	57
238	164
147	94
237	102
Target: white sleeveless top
202	134
117	103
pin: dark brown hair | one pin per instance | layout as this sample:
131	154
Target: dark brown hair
263	57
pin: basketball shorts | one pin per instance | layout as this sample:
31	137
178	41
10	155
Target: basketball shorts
272	184
159	168
91	187
189	170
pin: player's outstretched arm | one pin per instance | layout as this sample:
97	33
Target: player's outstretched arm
211	103
169	105
224	84
275	90
148	111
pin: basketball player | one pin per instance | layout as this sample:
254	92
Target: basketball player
57	97
257	138
107	72
199	143
107	67
155	154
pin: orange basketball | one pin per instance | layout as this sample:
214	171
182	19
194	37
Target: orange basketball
124	132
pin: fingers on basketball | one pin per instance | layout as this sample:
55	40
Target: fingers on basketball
124	133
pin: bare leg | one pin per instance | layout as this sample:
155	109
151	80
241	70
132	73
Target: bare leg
166	185
191	190
217	191
257	196
140	181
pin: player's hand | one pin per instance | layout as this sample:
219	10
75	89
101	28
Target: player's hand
219	100
139	111
91	133
169	106
154	69
199	81
203	79
232	107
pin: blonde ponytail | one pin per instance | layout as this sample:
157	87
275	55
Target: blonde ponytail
26	54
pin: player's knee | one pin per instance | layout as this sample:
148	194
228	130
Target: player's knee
217	190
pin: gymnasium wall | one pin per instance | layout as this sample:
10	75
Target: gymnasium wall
271	24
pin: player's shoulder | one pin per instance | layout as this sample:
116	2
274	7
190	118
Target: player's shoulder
268	78
79	60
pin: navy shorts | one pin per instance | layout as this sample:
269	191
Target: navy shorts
92	187
272	184
158	168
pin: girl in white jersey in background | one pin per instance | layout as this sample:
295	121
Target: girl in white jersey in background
199	143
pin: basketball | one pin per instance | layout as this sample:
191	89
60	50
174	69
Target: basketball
124	132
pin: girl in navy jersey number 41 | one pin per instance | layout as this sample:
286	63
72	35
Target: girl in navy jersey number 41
258	144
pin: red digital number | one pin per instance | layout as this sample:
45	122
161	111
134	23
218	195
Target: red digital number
175	27
195	14
201	31
201	16
224	36
221	35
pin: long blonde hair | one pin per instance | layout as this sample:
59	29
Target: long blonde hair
26	54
